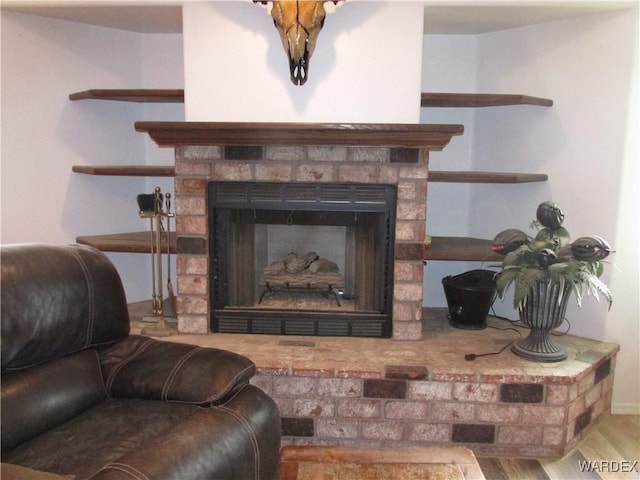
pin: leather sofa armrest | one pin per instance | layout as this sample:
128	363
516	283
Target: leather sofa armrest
142	367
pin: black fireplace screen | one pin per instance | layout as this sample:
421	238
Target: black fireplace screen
301	258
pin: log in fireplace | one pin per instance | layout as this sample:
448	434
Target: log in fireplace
339	236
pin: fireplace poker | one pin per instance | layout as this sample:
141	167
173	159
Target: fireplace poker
158	249
170	294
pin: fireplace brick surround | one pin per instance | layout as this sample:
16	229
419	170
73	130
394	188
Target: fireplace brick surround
404	167
371	153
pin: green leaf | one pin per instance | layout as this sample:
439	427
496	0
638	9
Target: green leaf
557	269
562	283
561	232
576	287
511	258
596	285
502	282
524	283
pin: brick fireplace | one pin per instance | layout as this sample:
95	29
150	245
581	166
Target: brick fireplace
377	154
365	391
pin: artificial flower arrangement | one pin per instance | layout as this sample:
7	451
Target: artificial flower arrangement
549	257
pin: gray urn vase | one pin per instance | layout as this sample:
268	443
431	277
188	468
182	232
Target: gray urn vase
542	312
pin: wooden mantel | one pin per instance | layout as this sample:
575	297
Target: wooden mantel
172	134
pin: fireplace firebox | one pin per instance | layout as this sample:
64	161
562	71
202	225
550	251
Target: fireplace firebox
301	258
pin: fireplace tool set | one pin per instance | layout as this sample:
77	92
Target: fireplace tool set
157	209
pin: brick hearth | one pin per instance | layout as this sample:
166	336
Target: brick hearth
378	392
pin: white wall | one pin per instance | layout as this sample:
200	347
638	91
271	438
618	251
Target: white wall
449	65
162	67
44	133
587	143
364	69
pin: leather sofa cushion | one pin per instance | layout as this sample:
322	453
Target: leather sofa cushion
142	367
132	438
100	435
239	440
40	398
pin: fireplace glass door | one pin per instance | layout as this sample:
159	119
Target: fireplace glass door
301	259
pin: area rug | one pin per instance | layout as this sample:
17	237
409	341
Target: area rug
415	463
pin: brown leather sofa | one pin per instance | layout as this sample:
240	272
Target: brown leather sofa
82	398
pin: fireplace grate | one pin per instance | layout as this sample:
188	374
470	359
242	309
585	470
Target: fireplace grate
310	196
226	322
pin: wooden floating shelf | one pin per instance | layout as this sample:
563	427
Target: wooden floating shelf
126	170
471	100
432	137
460	249
133	242
139	95
427	99
485	177
428	136
441	248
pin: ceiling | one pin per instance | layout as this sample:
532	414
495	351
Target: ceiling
165	18
474	18
441	17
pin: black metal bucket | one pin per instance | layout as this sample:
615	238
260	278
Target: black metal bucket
469	297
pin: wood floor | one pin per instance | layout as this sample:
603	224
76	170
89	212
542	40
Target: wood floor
611	451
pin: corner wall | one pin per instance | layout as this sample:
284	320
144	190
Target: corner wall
587	143
44	134
449	64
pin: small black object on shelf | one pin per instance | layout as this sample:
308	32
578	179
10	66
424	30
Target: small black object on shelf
469	298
